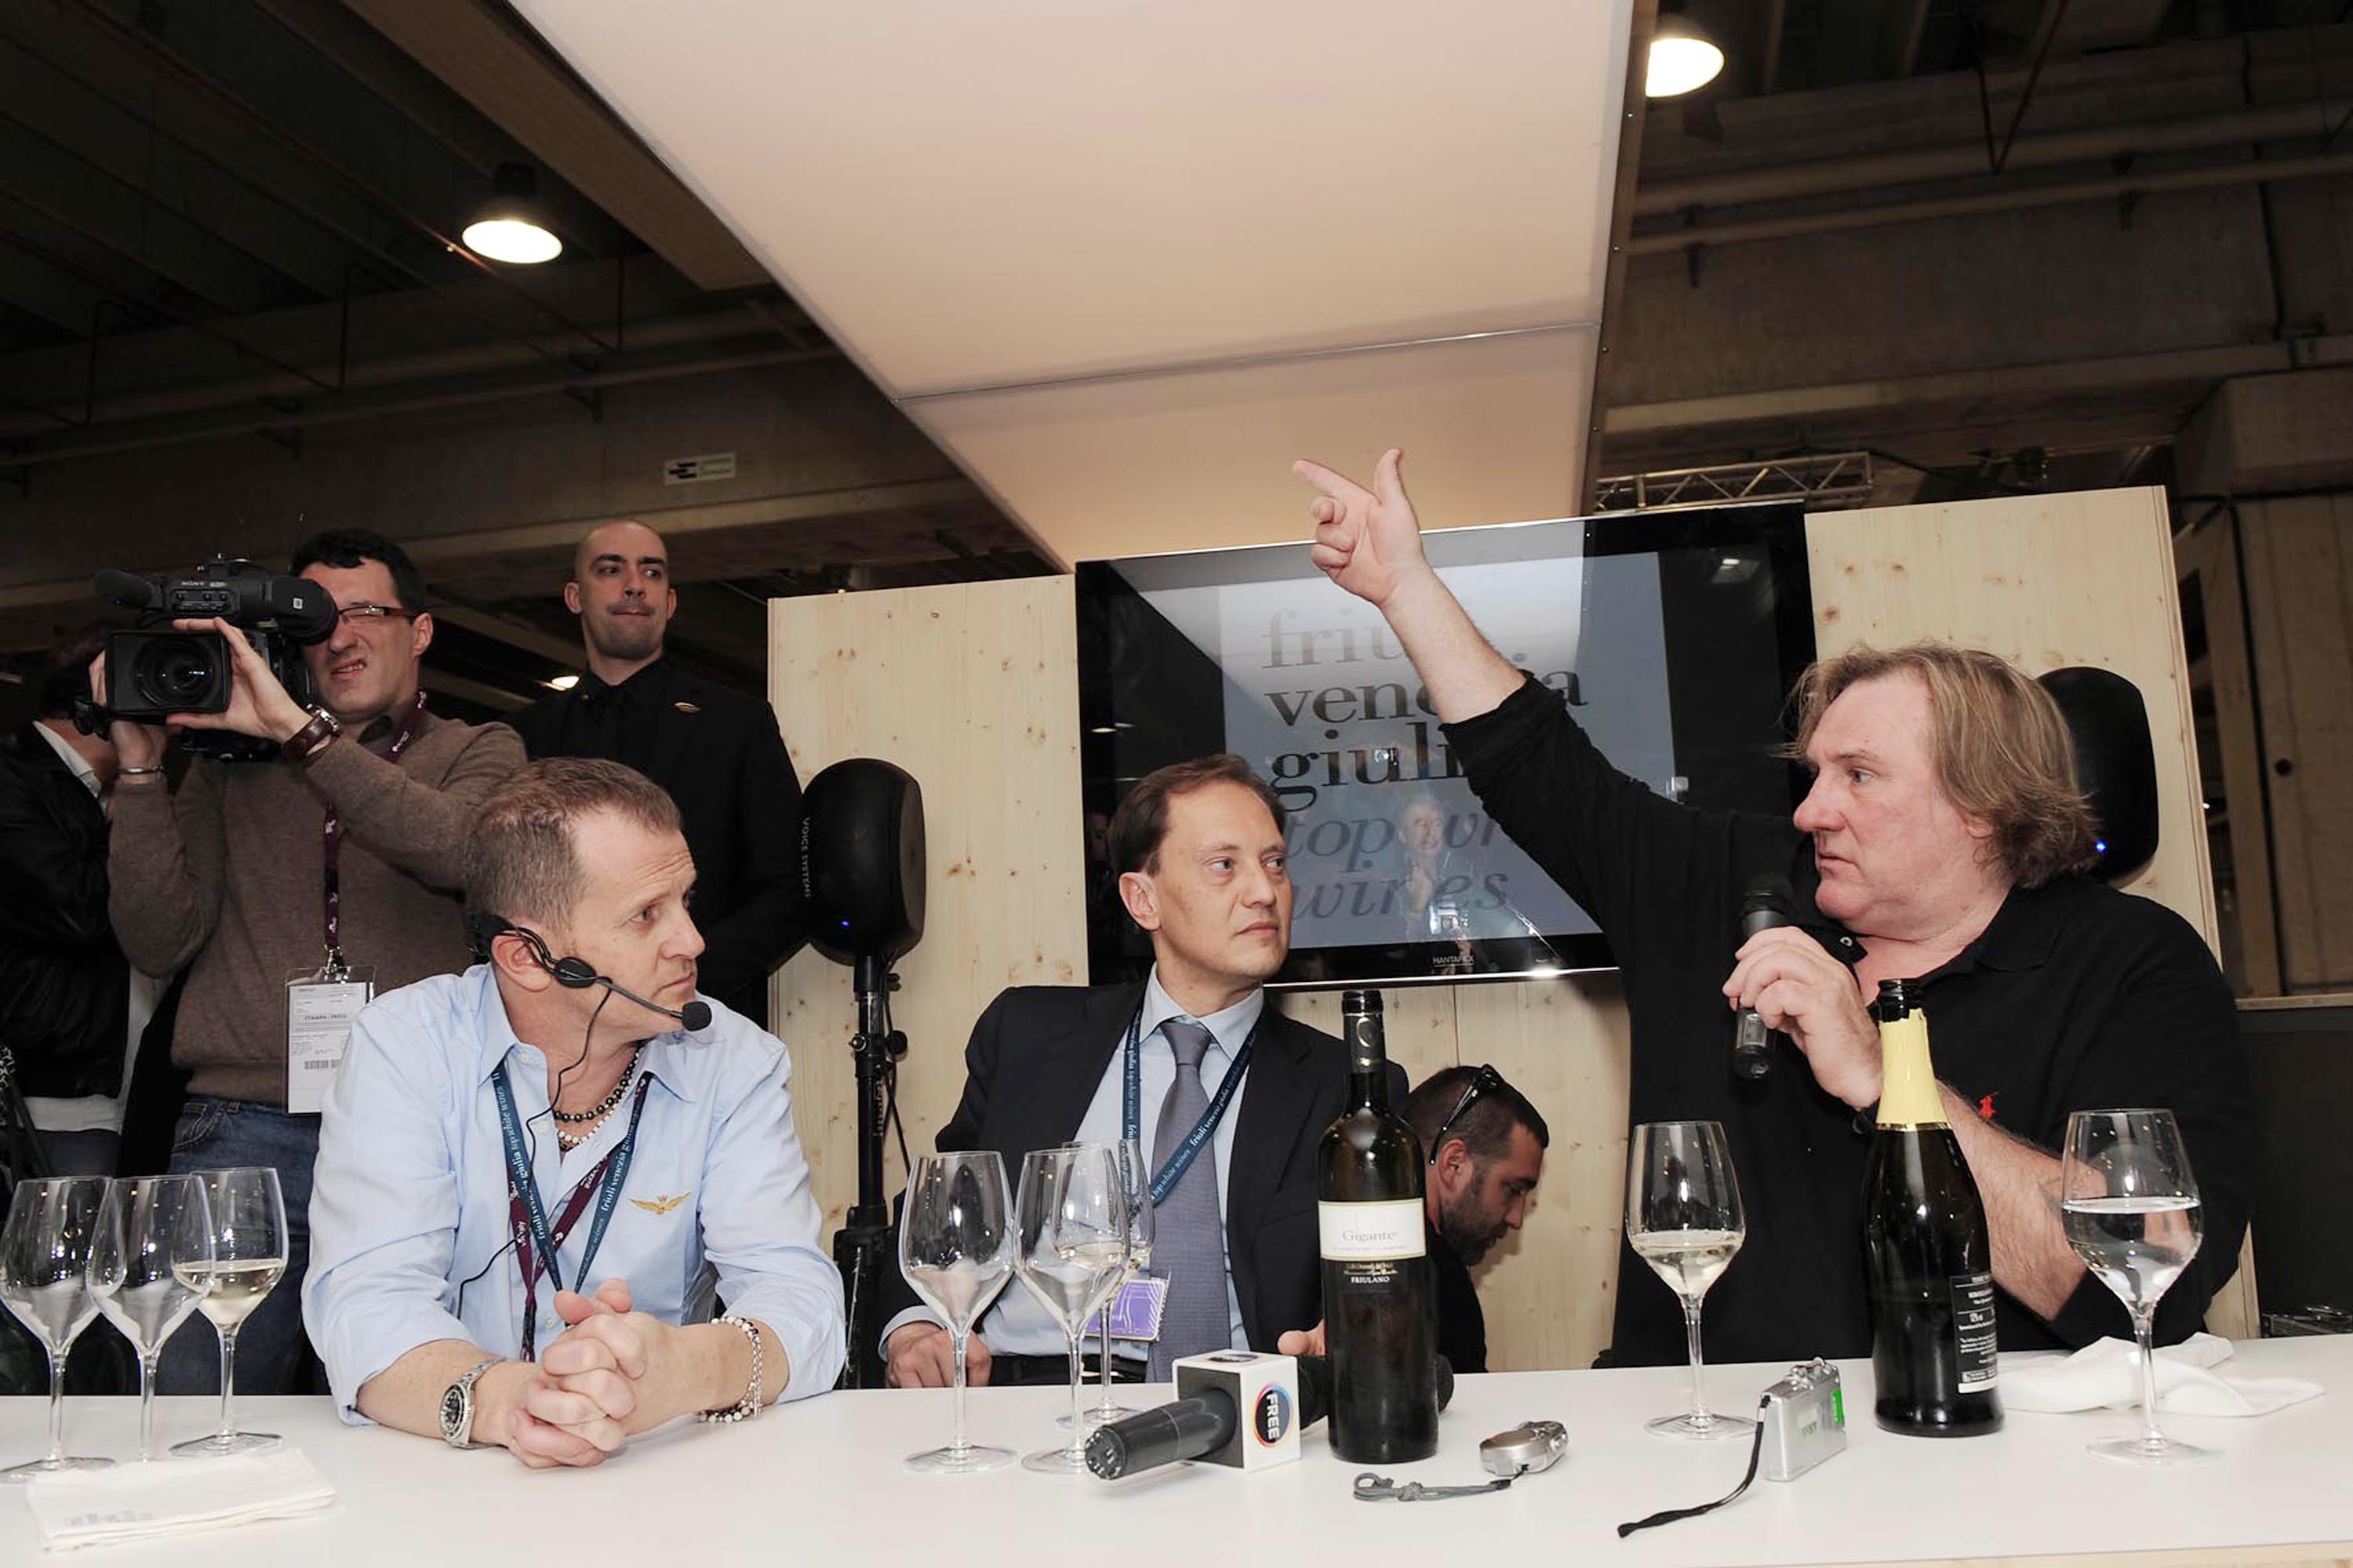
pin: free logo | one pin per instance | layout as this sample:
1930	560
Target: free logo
1271	1418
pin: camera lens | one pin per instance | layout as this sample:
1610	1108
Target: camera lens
177	675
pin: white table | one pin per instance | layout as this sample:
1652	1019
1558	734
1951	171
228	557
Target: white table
820	1482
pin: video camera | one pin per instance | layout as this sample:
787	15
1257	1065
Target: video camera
157	669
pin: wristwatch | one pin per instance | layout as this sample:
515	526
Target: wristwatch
303	742
457	1407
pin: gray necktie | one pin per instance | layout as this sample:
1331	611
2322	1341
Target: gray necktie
1188	1238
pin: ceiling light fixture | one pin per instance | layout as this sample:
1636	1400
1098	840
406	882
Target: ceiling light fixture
562	683
510	226
1683	58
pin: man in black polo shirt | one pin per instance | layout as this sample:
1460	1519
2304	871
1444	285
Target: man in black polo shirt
1941	839
717	752
1485	1147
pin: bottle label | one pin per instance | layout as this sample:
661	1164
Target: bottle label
1371	1233
1973	1329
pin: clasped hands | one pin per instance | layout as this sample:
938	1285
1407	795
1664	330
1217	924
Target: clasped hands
612	1373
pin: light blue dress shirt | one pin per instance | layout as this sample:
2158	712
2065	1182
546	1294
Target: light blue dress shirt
1016	1325
409	1234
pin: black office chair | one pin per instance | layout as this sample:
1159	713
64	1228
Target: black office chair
2115	763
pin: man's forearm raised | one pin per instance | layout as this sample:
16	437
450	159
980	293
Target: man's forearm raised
1370	542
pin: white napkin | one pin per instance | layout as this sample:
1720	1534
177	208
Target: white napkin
74	1509
2107	1374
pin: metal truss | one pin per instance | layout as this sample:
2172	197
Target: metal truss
1825	481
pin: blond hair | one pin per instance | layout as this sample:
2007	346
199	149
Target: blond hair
521	862
2000	746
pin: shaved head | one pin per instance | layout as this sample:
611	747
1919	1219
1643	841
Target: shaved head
629	539
620	590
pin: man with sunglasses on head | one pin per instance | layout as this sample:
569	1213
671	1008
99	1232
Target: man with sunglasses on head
1485	1147
336	864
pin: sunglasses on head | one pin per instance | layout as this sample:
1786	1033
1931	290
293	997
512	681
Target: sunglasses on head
1484	1080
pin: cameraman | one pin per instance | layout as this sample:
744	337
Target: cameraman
350	841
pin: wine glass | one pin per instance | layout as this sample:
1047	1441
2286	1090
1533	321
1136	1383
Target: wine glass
2132	1216
150	1265
45	1281
1072	1252
956	1248
248	1226
1684	1218
1135	1187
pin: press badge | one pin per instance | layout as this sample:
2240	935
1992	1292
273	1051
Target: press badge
320	1006
1135	1311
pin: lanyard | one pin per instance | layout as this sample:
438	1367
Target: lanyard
535	1243
1180	1160
332	832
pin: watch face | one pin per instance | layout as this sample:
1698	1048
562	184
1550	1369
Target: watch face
453	1412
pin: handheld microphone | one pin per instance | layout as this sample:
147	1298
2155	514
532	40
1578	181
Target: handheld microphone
1204	1424
695	1014
1766	906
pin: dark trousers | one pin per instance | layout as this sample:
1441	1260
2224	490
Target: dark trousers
273	1355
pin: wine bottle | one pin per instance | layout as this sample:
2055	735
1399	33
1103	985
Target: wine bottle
1380	1323
1927	1258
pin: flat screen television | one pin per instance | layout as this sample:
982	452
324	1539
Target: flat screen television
1674	638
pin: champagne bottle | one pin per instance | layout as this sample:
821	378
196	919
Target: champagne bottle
1380	1323
1928	1261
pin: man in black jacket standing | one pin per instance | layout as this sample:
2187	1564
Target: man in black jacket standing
718	752
70	1006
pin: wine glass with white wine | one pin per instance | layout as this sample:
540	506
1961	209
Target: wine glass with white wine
45	1281
1070	1214
2132	1214
1684	1218
248	1220
1136	1182
150	1265
956	1248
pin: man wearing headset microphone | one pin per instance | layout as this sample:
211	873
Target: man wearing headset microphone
567	1115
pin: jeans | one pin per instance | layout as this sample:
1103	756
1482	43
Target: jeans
273	1354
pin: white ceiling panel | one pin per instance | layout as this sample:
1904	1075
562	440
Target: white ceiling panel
1489	427
1020	214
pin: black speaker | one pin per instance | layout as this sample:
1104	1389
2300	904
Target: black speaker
2115	763
862	860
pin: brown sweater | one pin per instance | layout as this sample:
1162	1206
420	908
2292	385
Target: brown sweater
230	872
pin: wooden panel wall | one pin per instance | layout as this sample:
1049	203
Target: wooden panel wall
973	689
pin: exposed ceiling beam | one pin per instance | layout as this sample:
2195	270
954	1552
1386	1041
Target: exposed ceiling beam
515	84
499	629
482	692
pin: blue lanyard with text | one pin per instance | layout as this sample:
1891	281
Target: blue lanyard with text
1180	1160
523	1187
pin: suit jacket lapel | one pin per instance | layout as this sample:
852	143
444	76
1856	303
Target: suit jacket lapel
675	731
1275	1101
1071	1067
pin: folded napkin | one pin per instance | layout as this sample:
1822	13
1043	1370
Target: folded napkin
2106	1376
74	1509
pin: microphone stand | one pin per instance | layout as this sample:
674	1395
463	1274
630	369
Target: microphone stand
861	1248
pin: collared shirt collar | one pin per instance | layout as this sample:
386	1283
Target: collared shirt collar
497	1040
2020	936
73	759
1230	1026
592	687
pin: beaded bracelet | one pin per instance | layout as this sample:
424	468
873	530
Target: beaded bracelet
749	1405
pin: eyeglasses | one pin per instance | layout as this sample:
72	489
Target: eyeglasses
1482	1081
368	614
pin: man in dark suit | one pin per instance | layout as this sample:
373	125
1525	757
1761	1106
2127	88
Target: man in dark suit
1199	848
717	751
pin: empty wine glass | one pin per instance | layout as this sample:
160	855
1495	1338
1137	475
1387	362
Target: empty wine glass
1071	1218
248	1226
1135	1187
45	1281
1684	1218
2132	1214
149	1264
956	1248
